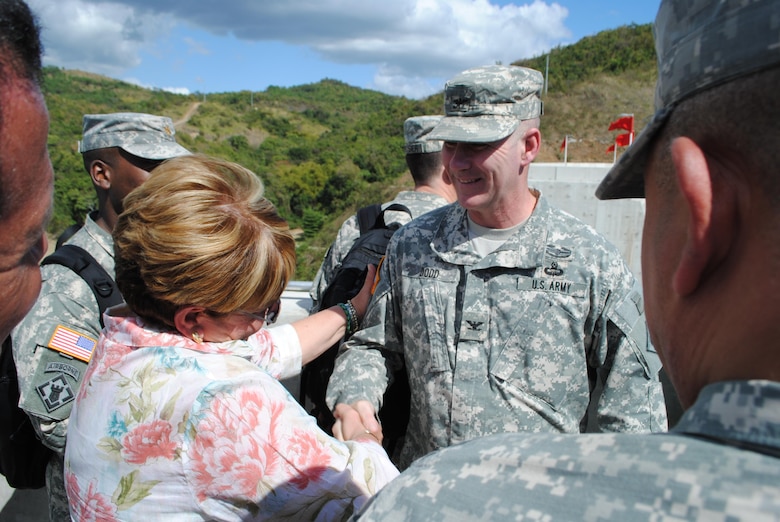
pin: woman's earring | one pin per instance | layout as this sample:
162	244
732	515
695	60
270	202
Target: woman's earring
196	337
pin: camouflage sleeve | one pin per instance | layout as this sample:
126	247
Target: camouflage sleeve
632	397
562	477
361	370
49	378
347	234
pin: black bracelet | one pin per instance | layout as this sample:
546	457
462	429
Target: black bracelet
353	316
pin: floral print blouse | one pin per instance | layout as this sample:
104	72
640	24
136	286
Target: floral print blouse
167	429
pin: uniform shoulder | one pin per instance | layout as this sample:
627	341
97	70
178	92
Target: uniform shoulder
431	219
563	222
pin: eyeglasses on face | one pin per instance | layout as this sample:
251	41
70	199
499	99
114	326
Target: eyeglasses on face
269	315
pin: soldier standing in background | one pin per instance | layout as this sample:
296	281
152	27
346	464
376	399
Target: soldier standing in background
432	189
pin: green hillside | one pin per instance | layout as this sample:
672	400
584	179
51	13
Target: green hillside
324	149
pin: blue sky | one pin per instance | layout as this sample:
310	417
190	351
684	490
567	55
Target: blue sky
400	47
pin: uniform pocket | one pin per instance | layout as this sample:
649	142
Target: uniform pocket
544	356
435	357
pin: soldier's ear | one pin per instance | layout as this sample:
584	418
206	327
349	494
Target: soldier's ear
100	172
711	228
530	144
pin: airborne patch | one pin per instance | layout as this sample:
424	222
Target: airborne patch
57	367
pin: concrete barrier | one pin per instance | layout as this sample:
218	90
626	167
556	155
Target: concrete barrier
572	187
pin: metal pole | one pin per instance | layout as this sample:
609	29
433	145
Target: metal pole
546	74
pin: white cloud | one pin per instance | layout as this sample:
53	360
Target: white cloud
100	38
389	81
410	42
139	83
176	90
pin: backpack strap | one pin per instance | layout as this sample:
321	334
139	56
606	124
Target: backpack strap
367	217
373	216
397	207
81	262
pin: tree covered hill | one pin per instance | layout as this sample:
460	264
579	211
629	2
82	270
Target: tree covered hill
326	148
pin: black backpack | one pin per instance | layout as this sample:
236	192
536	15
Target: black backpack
368	248
23	457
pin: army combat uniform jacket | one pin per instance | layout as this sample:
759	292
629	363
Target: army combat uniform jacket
46	351
515	341
720	462
418	204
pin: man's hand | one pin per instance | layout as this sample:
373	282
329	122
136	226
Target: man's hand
356	420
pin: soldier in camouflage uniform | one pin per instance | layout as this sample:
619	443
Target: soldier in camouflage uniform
507	312
118	150
706	164
432	189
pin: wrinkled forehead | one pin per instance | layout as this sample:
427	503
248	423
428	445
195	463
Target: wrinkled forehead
25	169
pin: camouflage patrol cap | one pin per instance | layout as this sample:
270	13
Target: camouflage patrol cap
700	44
416	130
486	104
144	135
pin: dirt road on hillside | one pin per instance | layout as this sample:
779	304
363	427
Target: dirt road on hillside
187	115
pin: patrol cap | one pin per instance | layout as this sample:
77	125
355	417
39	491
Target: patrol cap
486	104
144	135
700	44
416	130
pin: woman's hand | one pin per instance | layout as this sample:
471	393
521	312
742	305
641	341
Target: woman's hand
361	300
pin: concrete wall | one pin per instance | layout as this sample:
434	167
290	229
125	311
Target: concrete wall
572	187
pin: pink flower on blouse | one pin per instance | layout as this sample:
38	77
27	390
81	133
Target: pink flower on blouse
147	441
93	507
242	440
229	454
308	456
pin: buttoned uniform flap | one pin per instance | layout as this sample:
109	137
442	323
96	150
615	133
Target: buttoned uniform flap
628	315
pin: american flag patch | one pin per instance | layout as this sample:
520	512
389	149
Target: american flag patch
72	343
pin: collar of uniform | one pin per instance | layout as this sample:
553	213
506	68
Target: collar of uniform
735	411
525	249
100	236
